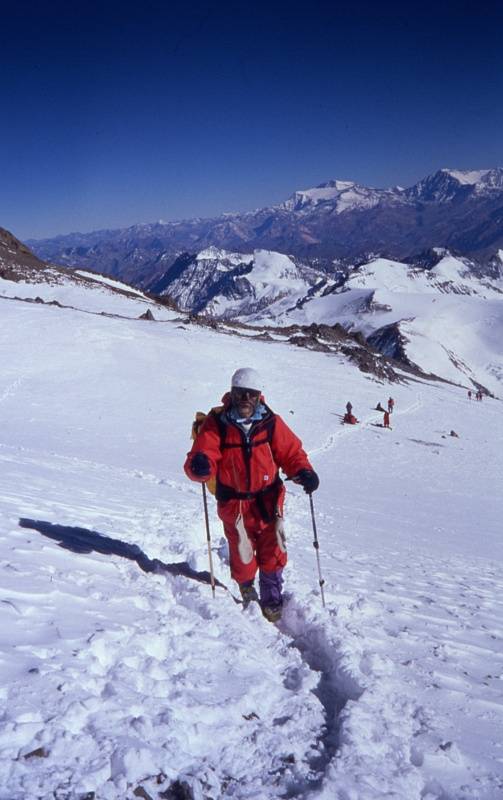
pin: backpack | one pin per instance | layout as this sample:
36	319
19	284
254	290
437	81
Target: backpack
196	427
216	412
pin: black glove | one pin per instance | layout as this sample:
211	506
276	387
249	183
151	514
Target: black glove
200	465
308	479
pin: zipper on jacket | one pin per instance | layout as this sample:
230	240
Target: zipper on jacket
246	444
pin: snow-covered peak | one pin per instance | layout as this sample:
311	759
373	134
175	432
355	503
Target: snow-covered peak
339	195
470	177
328	191
270	267
382	273
217	254
447	184
450	275
450	268
227	285
483	181
223	256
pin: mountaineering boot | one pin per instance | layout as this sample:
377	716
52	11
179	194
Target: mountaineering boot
248	593
272	613
271	600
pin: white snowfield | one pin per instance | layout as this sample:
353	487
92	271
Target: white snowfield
121	676
452	321
93	293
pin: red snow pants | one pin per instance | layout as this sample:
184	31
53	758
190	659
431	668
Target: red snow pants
253	542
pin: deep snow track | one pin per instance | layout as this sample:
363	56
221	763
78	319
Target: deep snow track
366	720
335	686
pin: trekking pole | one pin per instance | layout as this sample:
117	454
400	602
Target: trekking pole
208	539
316	546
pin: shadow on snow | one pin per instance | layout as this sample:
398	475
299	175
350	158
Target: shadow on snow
82	540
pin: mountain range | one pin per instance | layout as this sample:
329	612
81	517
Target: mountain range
437	317
437	314
337	222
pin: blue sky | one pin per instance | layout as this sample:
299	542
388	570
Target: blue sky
114	114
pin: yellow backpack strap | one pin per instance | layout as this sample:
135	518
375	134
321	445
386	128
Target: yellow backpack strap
201	416
197	424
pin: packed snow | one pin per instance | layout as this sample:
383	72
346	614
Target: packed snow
122	677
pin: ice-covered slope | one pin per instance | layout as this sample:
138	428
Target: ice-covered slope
120	676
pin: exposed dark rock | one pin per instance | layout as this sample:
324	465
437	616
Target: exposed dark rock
390	341
141	792
178	790
39	752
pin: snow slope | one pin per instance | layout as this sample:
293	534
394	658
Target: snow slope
451	321
120	676
85	291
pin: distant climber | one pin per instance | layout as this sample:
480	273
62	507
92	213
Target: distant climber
349	407
350	419
391	405
386	419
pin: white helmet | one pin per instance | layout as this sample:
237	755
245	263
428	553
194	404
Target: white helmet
247	378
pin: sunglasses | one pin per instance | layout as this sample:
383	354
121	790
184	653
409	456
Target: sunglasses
242	394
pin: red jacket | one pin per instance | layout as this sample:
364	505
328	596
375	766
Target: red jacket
247	464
